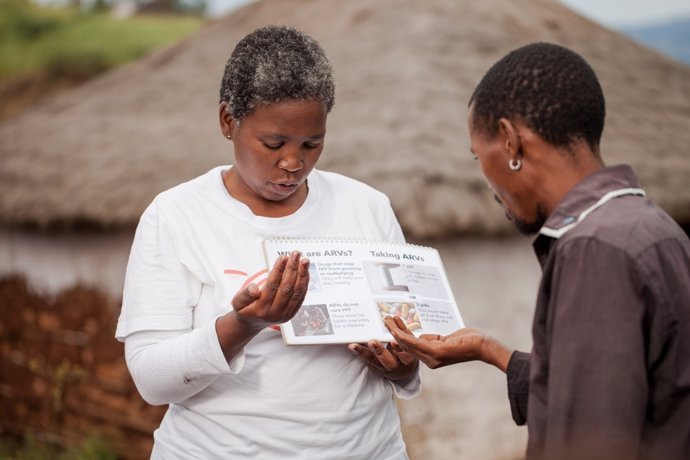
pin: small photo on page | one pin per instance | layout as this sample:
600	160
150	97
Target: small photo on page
385	277
314	279
406	311
312	320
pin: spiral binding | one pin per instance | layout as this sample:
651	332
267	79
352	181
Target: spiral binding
353	241
362	241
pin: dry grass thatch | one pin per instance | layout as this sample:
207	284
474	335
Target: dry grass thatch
404	70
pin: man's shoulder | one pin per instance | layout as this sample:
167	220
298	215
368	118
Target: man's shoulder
631	223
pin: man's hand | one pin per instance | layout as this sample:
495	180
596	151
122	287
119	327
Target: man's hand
389	361
279	299
463	345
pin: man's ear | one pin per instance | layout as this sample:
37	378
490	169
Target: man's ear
510	136
227	122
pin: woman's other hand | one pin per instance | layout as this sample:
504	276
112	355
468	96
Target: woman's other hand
389	361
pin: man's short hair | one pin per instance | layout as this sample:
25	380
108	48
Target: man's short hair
549	88
276	64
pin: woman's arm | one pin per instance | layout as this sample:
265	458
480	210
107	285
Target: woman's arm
171	366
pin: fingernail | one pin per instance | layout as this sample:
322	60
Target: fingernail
354	349
376	348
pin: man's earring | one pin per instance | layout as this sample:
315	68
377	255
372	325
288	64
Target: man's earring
515	165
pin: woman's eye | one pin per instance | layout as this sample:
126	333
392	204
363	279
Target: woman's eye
311	146
273	146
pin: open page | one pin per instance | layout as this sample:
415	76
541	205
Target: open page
354	284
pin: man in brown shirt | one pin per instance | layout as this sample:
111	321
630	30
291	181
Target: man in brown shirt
609	373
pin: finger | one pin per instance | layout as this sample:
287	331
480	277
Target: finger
406	358
397	328
430	337
299	291
391	323
245	297
424	349
383	356
269	290
395	324
365	354
287	282
403	356
430	361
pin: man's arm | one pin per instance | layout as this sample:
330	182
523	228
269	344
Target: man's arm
467	344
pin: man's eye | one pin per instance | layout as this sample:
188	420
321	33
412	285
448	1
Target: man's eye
311	146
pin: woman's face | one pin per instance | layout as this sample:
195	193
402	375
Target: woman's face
276	147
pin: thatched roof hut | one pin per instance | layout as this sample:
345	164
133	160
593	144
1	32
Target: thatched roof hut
404	71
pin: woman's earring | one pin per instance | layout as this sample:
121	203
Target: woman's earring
516	165
229	136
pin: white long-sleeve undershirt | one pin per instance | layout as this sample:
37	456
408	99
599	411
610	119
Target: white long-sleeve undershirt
171	366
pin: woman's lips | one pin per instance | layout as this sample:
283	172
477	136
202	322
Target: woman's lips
284	188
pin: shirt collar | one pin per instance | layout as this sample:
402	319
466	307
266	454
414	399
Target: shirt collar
589	194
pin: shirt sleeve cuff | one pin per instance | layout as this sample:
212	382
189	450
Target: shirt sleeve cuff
235	365
409	388
518	385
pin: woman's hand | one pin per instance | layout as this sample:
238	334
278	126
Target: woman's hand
254	308
279	299
389	361
463	345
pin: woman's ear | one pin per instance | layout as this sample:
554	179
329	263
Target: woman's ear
511	138
227	122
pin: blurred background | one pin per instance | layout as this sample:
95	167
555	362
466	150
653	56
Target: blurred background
105	103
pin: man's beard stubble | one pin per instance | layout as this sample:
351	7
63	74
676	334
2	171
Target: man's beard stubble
533	227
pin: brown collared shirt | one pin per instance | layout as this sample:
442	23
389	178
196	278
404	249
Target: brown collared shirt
609	373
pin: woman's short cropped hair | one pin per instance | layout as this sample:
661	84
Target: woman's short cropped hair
275	64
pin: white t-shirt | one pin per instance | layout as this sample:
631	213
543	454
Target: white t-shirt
195	247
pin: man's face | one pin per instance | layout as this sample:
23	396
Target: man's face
511	189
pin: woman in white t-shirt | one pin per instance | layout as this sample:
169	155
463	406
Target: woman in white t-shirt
200	309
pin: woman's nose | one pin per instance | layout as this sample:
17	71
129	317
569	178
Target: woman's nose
292	162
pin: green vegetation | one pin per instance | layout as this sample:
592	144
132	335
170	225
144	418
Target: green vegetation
68	43
92	448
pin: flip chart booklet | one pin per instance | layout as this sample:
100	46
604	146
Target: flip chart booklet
354	284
